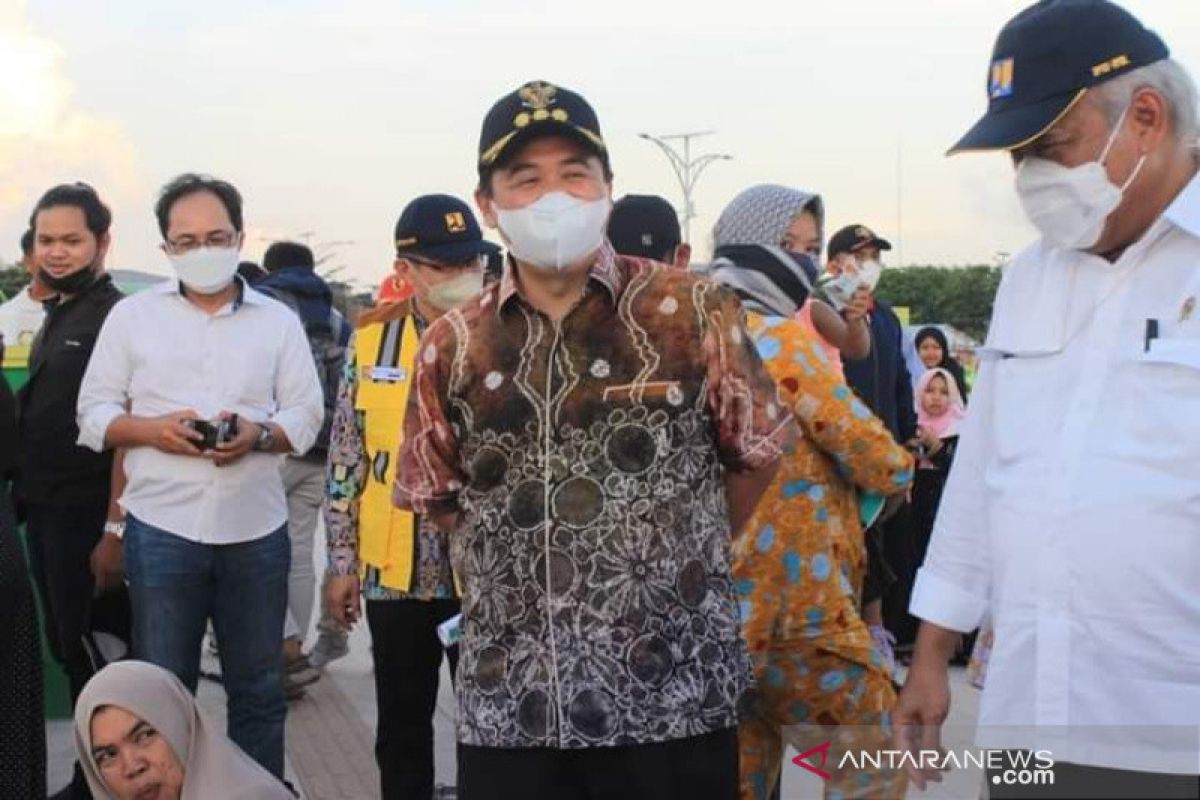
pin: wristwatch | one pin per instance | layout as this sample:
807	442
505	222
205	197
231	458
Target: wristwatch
116	528
265	441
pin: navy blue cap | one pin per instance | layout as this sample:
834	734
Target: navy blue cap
1045	60
537	108
644	225
439	228
853	238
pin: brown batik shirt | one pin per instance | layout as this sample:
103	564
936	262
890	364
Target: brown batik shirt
586	458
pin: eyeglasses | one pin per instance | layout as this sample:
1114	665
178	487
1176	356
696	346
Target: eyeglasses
216	239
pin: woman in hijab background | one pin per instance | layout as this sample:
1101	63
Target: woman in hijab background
139	733
794	221
933	348
940	411
22	729
799	562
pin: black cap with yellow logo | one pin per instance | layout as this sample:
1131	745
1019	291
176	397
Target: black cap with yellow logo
537	109
1044	61
441	229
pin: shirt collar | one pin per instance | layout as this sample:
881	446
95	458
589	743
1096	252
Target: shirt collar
1184	210
605	271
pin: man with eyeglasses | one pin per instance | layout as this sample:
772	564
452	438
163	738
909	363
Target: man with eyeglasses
207	383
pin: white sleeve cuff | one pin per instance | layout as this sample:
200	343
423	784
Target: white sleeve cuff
94	425
298	425
942	602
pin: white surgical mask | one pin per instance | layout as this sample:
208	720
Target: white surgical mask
454	292
556	231
869	273
1070	205
206	270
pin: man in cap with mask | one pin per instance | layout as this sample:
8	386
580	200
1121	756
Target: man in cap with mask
207	383
398	561
591	428
1081	430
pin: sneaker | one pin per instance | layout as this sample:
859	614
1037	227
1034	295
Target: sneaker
329	647
885	644
299	672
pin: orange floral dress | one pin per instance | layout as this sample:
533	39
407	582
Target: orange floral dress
799	565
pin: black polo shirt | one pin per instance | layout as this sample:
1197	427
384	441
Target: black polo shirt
52	467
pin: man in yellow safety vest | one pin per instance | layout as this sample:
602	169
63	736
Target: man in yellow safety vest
397	560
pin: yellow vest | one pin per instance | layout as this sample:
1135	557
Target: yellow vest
385	357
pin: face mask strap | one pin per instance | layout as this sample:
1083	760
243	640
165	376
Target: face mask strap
1112	137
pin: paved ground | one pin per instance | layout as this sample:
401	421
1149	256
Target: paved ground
330	735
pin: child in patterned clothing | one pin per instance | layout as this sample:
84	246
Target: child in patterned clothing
799	563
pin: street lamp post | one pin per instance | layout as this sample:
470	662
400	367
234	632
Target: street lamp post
687	170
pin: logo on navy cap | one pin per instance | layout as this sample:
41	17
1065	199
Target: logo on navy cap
1001	84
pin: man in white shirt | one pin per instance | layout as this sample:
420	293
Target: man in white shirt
1072	514
206	531
22	315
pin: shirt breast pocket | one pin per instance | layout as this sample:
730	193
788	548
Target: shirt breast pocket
1023	423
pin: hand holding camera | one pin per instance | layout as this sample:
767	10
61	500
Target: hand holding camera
215	432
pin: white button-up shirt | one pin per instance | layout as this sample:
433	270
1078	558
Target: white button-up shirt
1072	513
160	353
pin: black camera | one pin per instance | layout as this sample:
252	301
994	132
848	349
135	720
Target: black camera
215	432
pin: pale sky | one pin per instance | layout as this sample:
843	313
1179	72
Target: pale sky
330	116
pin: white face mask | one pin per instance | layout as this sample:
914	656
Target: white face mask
556	231
454	292
1070	205
869	273
206	270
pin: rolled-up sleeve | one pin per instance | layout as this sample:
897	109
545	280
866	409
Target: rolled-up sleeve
428	477
753	424
298	395
104	392
952	586
834	419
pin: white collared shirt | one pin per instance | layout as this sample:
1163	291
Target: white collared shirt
1072	513
161	353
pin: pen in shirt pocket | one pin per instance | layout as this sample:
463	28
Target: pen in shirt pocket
1151	334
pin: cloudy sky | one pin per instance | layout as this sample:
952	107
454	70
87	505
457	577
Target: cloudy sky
330	116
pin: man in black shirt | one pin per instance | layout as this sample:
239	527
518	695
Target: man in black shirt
65	489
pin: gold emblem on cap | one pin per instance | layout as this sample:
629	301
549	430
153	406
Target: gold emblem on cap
1112	65
537	94
863	233
455	222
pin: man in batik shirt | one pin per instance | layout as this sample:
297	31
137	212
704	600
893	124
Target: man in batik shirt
592	429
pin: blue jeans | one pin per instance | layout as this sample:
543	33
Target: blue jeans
176	584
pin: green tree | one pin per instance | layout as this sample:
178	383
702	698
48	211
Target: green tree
12	279
959	296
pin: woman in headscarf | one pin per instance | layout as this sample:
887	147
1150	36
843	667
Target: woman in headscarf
22	729
799	562
940	412
139	734
933	348
794	221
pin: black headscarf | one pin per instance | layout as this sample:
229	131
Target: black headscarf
948	363
769	279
